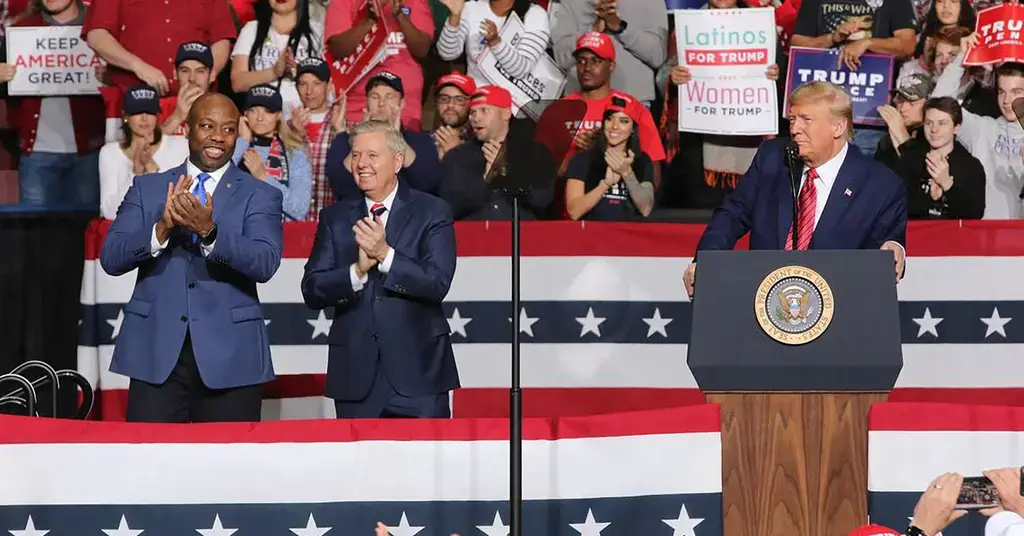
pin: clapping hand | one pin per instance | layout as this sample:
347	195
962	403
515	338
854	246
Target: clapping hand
187	211
167	221
620	163
254	163
938	169
369	233
492	149
490	33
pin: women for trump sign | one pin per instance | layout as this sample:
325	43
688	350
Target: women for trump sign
727	52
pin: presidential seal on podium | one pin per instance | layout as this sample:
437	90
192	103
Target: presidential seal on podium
794	305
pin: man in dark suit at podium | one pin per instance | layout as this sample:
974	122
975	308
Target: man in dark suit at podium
846	200
385	261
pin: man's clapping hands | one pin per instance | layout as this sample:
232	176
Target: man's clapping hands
373	246
182	208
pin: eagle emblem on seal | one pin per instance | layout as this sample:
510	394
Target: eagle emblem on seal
794	305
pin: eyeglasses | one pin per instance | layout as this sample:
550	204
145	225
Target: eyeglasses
449	99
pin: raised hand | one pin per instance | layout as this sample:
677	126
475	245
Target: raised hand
489	30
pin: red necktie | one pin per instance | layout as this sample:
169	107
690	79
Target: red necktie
807	204
377	209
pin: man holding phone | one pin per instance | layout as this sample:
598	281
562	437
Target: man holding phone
950	496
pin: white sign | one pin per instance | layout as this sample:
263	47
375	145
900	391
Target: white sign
728	52
544	83
51	60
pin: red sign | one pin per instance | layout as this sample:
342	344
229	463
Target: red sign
370	52
999	35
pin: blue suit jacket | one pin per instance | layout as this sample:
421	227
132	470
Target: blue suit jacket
874	211
213	297
396	320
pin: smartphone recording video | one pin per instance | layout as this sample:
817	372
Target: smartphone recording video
977	493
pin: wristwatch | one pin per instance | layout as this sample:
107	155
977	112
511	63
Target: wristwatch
914	531
210	236
622	27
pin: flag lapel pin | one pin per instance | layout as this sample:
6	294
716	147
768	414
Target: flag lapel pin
848	193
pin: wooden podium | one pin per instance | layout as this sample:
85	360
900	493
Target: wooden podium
795	347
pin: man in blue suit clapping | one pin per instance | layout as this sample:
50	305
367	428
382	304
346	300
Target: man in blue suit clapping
385	261
202	235
846	200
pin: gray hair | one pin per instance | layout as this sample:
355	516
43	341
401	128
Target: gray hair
396	143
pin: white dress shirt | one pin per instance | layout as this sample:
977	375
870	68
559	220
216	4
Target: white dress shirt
359	282
210	185
827	174
1004	524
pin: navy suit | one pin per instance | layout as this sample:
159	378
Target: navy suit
866	207
193	319
390	353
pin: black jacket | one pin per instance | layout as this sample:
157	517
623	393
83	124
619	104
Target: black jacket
964	200
470	198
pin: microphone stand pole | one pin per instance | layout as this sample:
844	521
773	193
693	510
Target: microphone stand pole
795	172
515	393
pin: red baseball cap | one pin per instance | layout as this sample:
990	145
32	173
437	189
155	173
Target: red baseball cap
598	43
874	530
464	83
627	104
493	95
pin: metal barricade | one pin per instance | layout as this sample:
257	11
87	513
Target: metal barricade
25	393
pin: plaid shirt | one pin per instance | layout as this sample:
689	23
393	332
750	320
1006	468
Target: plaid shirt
322	194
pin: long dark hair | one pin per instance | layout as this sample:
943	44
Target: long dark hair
302	30
126	131
599	168
932	25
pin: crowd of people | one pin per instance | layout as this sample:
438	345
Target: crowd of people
950	131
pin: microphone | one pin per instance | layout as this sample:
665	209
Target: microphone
795	171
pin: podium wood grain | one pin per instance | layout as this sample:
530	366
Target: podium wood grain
794	463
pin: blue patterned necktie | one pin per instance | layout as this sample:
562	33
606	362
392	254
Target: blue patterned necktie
200	192
200	189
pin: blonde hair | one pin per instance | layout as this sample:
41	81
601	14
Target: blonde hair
396	143
290	138
838	101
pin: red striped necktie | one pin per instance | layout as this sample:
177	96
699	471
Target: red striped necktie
807	207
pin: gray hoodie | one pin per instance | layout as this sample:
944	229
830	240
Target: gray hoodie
639	50
994	141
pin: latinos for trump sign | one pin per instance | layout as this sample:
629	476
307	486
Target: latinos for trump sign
868	86
999	35
51	60
727	52
543	83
